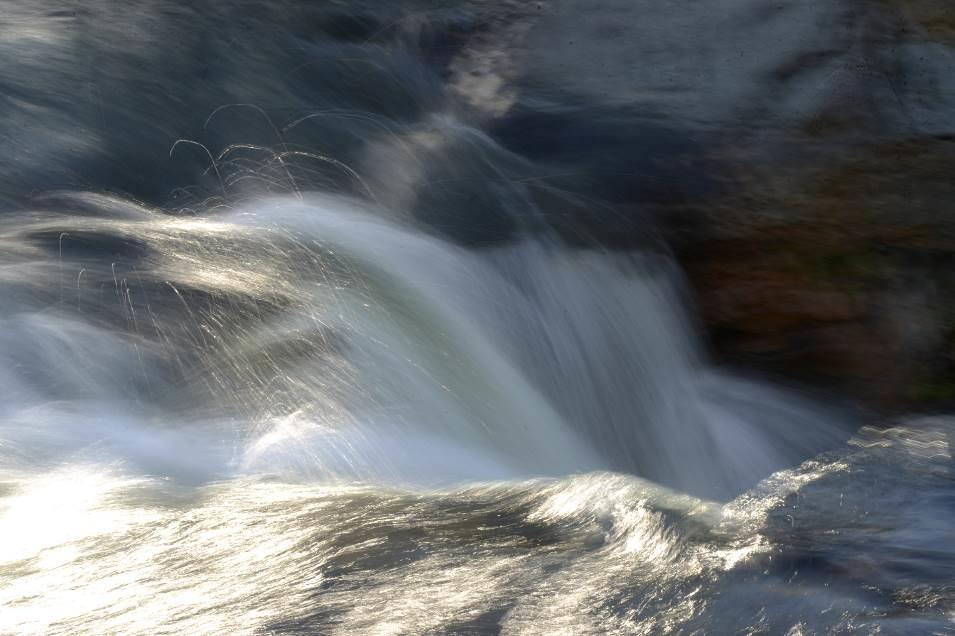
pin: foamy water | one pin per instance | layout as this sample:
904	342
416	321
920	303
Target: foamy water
309	324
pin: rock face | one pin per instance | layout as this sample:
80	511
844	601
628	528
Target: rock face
806	177
837	265
842	272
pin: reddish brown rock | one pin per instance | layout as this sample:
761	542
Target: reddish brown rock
841	272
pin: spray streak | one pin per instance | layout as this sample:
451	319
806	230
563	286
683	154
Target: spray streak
371	371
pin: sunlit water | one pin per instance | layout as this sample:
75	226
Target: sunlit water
383	377
299	416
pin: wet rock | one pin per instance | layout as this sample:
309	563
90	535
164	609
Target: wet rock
844	273
806	186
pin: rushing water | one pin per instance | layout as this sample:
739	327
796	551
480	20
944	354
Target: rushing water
386	377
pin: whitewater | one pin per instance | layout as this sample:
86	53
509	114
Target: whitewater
389	378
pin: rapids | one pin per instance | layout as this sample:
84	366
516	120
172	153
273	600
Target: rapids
310	322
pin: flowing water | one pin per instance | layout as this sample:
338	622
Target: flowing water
387	377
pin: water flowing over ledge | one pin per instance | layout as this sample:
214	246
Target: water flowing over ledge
347	318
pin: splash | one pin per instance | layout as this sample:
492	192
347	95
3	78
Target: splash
319	337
